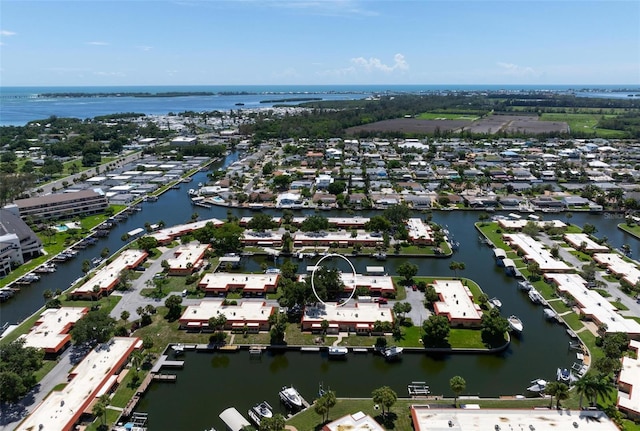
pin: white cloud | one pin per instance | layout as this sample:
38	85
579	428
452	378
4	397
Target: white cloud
99	73
375	64
7	33
516	70
97	43
144	48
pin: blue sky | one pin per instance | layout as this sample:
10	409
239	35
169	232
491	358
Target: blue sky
244	42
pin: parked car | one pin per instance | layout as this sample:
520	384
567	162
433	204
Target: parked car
380	300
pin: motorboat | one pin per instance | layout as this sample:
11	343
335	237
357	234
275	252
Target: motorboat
515	323
535	296
563	375
260	411
391	353
495	302
338	351
291	397
550	313
178	349
524	285
380	256
538	385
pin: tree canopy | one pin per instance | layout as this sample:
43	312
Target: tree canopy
18	365
94	327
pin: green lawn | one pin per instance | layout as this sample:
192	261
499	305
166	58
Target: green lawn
630	229
584	123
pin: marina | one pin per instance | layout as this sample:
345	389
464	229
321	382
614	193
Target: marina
477	258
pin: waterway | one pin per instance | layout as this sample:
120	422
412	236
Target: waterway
233	379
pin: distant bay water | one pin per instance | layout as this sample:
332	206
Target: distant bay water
19	105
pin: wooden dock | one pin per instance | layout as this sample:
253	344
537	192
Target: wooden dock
165	377
310	349
165	362
419	389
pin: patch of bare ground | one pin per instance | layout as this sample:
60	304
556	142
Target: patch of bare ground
529	124
410	125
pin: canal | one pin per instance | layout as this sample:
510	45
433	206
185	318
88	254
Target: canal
221	380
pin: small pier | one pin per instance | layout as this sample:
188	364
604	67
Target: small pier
256	351
418	389
172	378
165	362
360	350
310	349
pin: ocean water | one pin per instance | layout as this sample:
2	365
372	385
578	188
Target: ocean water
19	105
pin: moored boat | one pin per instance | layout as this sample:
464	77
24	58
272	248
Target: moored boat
291	397
260	411
495	302
515	324
338	351
550	313
538	385
392	353
535	296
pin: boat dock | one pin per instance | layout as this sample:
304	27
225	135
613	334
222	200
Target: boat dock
164	361
310	349
165	377
418	389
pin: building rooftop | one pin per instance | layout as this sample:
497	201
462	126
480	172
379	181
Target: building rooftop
354	422
106	277
61	409
361	312
616	263
630	376
230	281
456	301
428	419
51	330
577	239
250	311
536	251
593	304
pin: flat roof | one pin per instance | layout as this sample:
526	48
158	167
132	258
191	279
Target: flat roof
233	419
186	255
248	310
51	330
172	232
107	276
418	229
361	312
577	239
354	422
248	282
593	304
630	376
61	409
456	300
520	223
616	263
428	419
536	251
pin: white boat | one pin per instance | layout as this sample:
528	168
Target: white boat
392	352
178	349
538	385
524	285
550	314
291	397
563	375
260	411
495	302
535	296
338	351
515	323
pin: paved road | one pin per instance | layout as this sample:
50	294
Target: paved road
10	416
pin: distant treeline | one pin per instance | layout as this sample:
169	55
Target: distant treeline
327	119
132	94
292	99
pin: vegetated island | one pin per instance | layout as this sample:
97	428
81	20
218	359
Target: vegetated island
292	99
132	94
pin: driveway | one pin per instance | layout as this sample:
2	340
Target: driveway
418	313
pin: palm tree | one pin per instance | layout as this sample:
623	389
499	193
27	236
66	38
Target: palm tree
551	389
455	266
562	393
458	385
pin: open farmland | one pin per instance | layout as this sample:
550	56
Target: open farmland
410	125
583	123
526	124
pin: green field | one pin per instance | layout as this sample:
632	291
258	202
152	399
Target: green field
584	123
